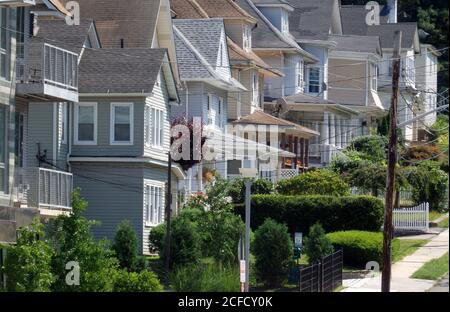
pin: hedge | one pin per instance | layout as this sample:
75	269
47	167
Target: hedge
361	247
299	213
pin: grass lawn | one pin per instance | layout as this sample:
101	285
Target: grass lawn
434	269
434	215
443	224
407	247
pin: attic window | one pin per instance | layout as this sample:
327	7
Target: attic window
247	38
284	21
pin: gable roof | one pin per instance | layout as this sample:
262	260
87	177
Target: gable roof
131	20
311	19
122	71
267	36
354	23
58	33
353	43
277	3
187	9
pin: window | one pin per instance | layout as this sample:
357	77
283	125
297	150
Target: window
157	127
154	205
63	114
2	149
121	123
314	80
20	35
86	123
215	109
374	76
299	74
285	21
4	71
255	90
247	38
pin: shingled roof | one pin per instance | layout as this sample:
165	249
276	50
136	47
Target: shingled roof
131	20
354	19
58	33
120	70
353	43
311	19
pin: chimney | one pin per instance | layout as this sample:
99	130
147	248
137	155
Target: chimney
393	11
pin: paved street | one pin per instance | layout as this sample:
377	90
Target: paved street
402	270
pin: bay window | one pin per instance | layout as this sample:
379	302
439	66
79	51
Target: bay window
157	118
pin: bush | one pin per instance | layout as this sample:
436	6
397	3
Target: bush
126	246
318	182
421	152
185	242
259	186
299	213
361	247
205	278
429	184
373	147
317	244
273	251
144	281
28	263
72	240
156	239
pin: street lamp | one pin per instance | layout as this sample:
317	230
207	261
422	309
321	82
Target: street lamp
248	174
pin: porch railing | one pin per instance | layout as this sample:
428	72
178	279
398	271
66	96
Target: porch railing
45	188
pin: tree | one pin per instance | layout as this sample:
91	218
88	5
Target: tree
259	186
273	250
72	241
126	246
317	244
28	263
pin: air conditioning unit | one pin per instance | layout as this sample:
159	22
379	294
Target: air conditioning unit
16	3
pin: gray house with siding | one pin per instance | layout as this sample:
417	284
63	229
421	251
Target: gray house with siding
120	132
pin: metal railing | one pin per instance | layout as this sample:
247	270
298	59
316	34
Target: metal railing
45	188
59	68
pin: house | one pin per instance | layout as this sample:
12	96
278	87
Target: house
410	94
203	61
29	92
251	71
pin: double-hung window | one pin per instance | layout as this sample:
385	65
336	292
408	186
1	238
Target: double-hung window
63	114
86	123
314	80
3	146
4	70
157	118
121	123
154	205
374	77
299	74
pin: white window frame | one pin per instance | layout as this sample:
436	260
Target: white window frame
319	81
154	203
300	75
148	125
157	141
77	105
112	123
284	21
64	128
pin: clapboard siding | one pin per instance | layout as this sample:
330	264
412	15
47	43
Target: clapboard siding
40	131
114	193
160	100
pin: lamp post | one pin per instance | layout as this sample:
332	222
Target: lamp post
247	173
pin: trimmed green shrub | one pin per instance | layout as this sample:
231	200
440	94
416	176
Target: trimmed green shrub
205	278
317	182
373	147
156	238
185	242
299	213
28	263
126	246
144	281
317	244
361	247
259	186
273	251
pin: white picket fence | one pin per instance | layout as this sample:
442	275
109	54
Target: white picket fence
412	219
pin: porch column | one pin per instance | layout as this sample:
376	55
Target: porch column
302	151
346	132
324	133
338	132
332	130
296	141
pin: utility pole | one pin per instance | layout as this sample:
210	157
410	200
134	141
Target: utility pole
168	211
392	161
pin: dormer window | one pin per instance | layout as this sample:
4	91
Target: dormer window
247	38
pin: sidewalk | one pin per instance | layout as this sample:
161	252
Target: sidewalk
402	270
